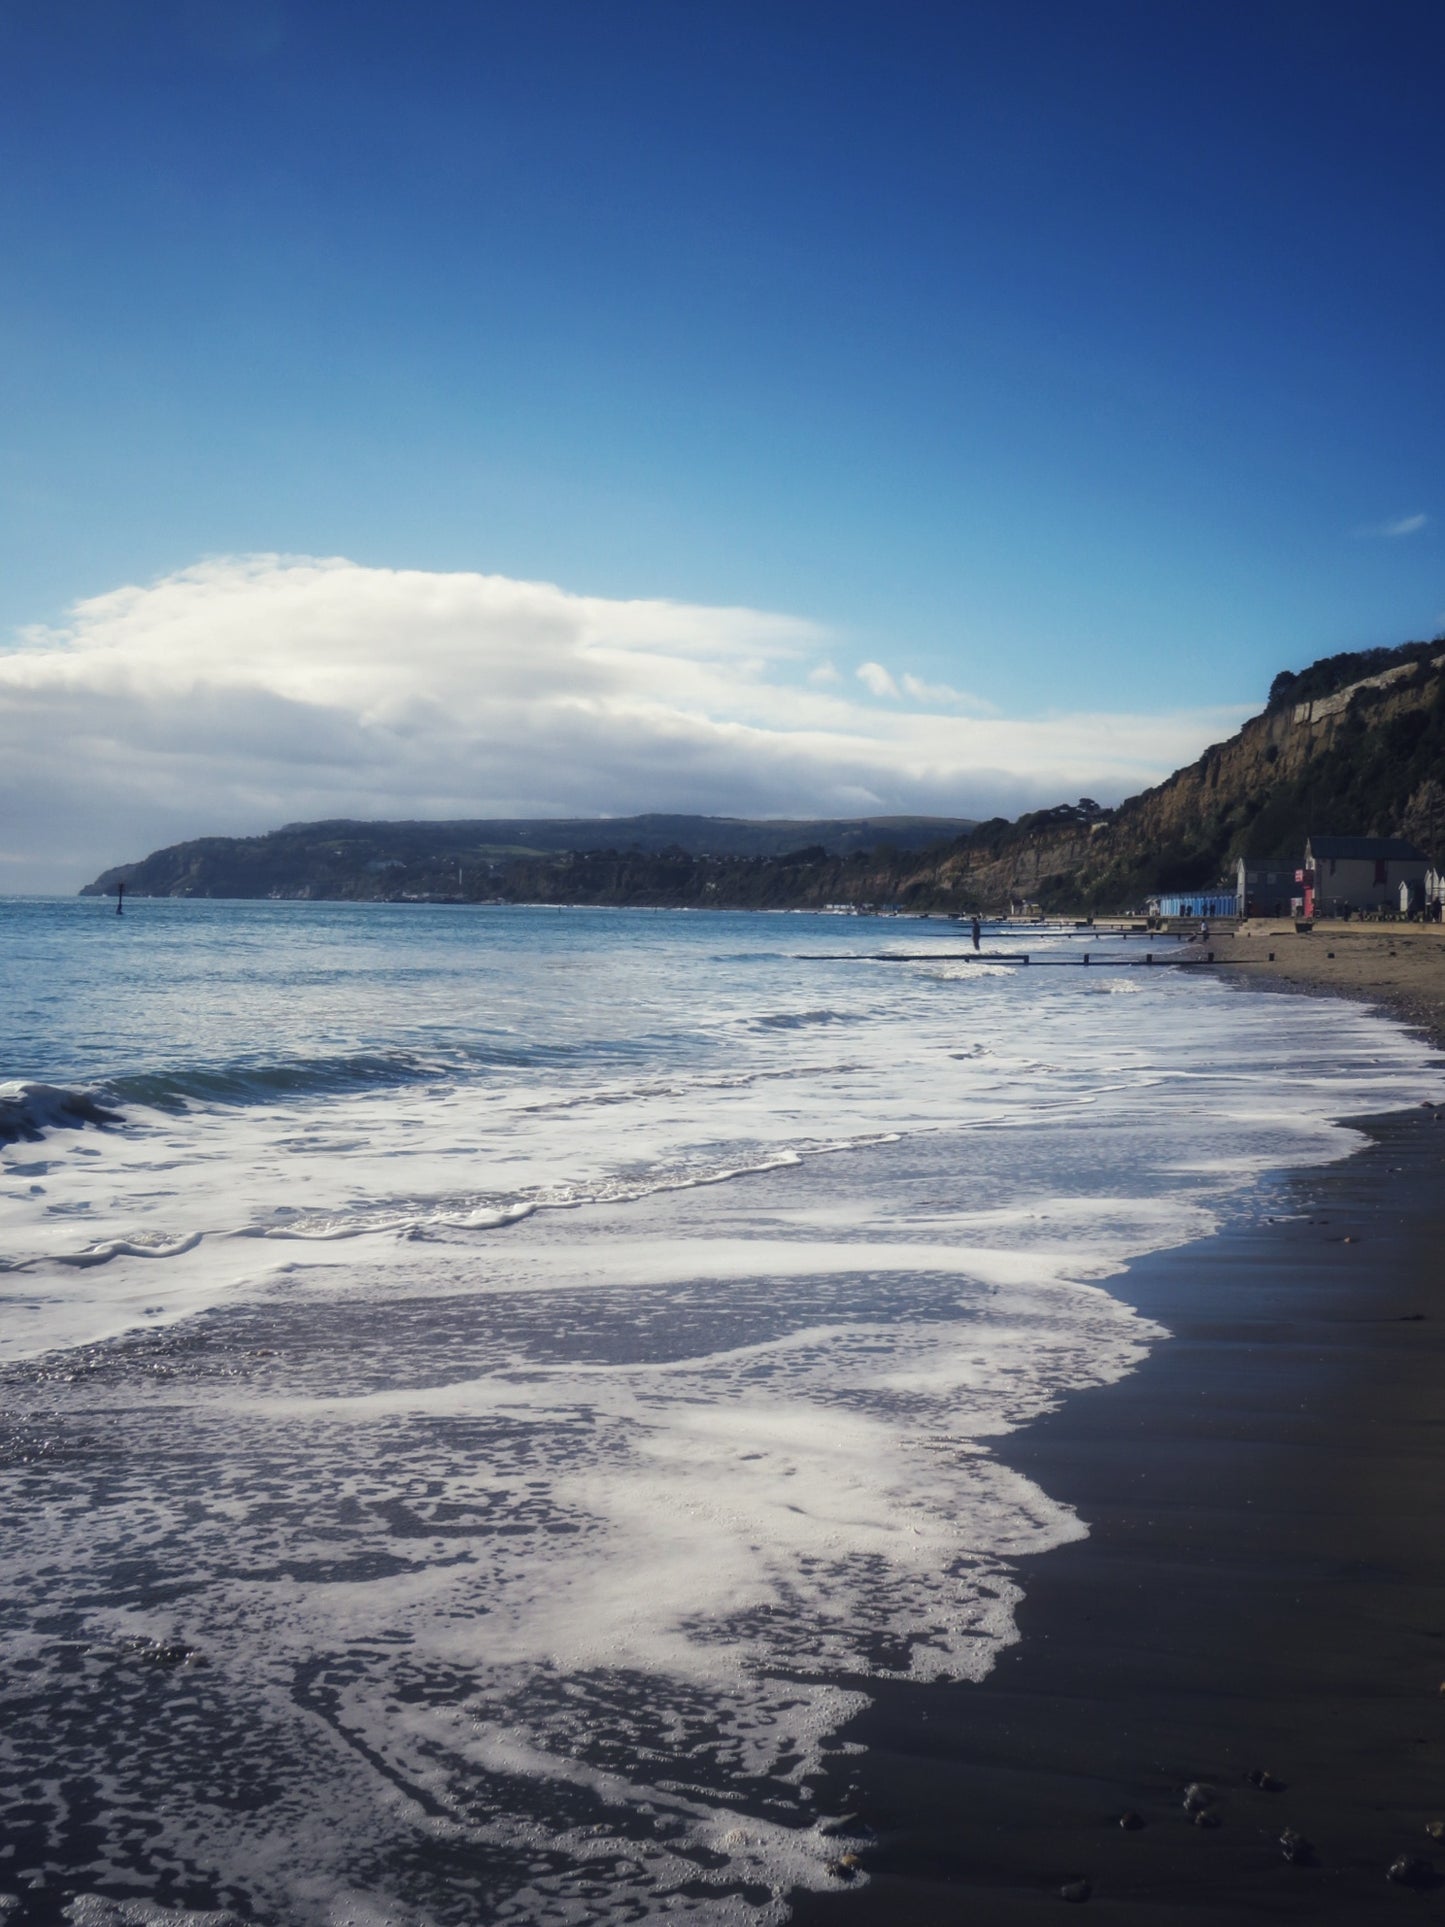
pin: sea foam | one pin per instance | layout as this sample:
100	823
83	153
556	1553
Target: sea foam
490	1494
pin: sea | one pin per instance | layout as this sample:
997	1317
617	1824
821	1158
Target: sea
488	1393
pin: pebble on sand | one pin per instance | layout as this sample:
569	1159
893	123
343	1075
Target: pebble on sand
1199	1796
1075	1890
1265	1781
1296	1848
1131	1821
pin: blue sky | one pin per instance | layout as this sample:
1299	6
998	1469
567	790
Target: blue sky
1075	354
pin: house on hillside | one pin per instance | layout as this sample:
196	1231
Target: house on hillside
1269	886
1345	874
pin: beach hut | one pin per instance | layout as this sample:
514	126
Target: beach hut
1350	873
1206	904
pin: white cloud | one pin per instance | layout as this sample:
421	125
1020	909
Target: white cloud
933	695
942	695
247	692
1407	525
876	678
824	676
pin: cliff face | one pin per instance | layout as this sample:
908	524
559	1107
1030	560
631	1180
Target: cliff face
1368	759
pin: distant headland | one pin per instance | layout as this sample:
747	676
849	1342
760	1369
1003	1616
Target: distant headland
630	859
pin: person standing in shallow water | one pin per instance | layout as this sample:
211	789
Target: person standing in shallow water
977	932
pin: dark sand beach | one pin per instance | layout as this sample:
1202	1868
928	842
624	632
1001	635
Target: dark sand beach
1262	1590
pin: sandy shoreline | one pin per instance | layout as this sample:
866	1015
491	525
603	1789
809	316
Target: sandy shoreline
1400	966
1263	1587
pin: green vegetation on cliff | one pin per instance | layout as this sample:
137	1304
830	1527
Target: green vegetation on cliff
1333	673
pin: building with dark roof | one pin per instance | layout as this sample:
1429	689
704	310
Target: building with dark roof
1270	886
1344	874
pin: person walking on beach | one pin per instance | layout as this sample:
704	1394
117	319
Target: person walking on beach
977	931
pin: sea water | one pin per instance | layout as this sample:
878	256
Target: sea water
487	1392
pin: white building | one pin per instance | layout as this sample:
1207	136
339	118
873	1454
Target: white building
1345	874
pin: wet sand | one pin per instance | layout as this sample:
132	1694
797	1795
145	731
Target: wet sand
1398	965
1262	1587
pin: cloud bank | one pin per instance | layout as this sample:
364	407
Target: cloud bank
251	691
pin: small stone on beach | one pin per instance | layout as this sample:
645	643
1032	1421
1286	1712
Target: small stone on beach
1295	1848
1207	1817
1075	1890
1265	1781
1435	1829
1131	1821
1198	1795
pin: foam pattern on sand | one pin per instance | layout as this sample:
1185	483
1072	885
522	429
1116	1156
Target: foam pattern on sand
580	1621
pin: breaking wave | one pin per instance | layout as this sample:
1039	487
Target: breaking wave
28	1111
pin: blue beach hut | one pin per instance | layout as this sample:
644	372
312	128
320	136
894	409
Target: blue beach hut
1205	904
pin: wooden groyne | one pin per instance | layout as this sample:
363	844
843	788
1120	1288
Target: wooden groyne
1026	959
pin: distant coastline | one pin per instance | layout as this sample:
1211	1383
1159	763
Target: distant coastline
1353	746
644	861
